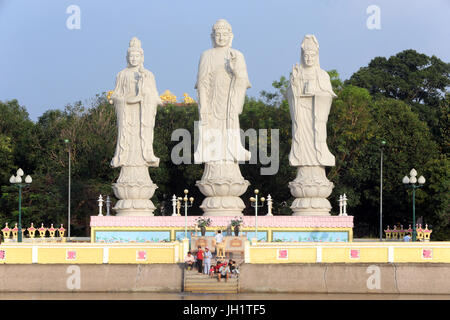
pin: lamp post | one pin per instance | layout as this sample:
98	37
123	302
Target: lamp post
410	182
67	141
254	204
17	181
186	205
383	143
108	205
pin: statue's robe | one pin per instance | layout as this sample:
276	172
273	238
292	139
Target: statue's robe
135	122
221	94
310	96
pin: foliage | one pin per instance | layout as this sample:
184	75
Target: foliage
237	221
203	222
419	80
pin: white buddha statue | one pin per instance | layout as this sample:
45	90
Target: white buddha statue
310	96
222	82
135	99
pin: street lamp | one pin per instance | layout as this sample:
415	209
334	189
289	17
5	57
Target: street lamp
411	183
67	141
186	205
254	204
383	143
17	181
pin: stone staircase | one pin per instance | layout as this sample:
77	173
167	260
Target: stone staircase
201	283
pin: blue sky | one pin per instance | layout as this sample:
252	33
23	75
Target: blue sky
45	65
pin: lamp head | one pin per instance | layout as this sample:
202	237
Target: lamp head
263	199
186	191
256	191
405	180
421	180
252	199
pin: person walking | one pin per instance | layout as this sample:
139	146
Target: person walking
200	255
219	240
207	260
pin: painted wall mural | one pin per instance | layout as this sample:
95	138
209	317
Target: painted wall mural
310	236
132	236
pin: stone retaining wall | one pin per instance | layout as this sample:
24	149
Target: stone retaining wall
404	278
100	278
400	278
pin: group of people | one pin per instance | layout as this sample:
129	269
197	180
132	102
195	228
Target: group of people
202	259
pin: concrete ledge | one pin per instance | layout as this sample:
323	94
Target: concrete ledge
399	278
100	278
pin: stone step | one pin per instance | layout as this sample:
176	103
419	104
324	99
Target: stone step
216	283
213	291
210	281
200	283
203	276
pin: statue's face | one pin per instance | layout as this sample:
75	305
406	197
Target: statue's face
222	37
134	58
309	58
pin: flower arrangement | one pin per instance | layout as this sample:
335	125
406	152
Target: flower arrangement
237	221
203	222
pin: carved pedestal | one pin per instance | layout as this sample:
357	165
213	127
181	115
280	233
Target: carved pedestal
134	188
222	184
311	189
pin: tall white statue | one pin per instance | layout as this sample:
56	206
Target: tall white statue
135	100
310	95
222	82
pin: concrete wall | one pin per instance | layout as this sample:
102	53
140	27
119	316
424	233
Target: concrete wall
103	278
407	278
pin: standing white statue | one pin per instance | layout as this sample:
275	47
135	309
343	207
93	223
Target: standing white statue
135	99
310	95
222	82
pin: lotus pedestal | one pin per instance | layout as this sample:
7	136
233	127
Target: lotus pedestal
134	188
222	184
311	189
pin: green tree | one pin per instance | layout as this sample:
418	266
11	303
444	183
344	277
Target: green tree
419	80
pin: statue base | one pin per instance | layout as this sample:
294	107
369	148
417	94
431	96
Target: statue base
133	189
311	189
222	184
